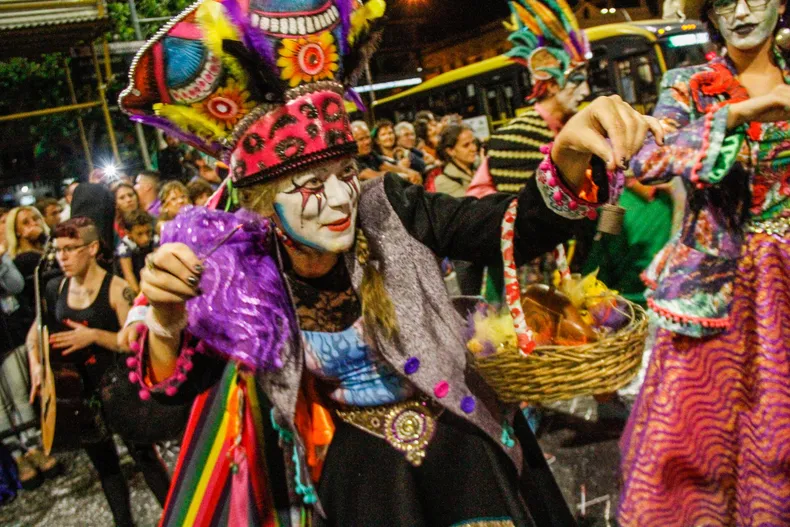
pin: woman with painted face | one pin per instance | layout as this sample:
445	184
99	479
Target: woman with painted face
312	326
707	440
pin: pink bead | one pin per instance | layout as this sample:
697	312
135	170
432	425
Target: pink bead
181	377
573	205
441	389
558	196
552	182
131	362
170	391
545	166
140	328
187	366
135	346
133	378
144	394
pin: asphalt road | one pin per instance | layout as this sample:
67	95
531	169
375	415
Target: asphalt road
586	458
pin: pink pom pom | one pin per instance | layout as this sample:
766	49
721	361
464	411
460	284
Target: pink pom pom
558	197
135	346
592	214
170	391
181	377
131	362
552	182
573	205
144	394
187	366
133	378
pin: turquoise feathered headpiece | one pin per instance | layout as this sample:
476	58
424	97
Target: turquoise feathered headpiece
547	40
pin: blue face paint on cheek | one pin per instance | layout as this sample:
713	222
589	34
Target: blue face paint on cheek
278	208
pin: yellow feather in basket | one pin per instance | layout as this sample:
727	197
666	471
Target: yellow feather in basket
492	330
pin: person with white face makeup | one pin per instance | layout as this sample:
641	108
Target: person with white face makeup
312	326
557	65
707	440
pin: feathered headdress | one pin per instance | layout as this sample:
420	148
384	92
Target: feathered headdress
547	40
258	84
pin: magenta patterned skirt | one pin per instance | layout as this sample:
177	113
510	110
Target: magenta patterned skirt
708	441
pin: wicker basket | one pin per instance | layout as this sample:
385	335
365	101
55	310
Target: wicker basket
553	373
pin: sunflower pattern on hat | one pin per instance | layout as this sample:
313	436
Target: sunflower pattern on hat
258	84
547	40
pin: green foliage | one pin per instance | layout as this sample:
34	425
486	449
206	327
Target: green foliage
54	140
122	23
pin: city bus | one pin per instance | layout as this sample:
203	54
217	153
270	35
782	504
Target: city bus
627	58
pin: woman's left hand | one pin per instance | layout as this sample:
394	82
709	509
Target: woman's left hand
80	337
608	128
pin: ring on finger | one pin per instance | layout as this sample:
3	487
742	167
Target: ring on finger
149	262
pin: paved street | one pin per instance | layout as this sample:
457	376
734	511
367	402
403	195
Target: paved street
585	455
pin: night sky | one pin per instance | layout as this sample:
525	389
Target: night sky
446	18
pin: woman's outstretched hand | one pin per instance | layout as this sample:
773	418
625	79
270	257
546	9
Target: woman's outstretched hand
608	128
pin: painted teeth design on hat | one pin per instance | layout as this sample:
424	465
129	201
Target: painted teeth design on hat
203	85
299	26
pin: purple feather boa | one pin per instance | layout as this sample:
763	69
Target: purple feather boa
253	38
353	96
213	148
244	311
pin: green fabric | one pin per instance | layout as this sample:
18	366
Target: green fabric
726	159
647	226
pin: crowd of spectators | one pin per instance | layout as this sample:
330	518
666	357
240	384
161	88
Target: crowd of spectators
128	214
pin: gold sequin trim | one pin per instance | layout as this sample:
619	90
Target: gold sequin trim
407	426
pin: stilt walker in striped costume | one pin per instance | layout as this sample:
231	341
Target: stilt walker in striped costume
547	41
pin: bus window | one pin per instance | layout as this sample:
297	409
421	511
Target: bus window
599	76
625	80
685	49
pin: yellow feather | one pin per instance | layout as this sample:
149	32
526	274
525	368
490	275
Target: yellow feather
527	19
495	328
189	120
361	18
566	9
216	27
548	18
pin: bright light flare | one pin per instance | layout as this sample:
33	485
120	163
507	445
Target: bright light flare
110	171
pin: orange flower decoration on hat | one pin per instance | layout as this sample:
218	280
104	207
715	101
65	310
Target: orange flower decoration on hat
227	106
308	59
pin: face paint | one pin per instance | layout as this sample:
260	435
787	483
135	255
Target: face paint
318	209
745	25
572	95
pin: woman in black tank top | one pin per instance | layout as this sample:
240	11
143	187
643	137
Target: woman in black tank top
93	360
75	240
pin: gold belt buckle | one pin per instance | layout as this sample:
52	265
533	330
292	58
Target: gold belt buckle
408	426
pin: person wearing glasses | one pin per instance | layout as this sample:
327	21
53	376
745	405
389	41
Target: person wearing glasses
88	307
708	440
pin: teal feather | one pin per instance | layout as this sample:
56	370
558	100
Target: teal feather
560	14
